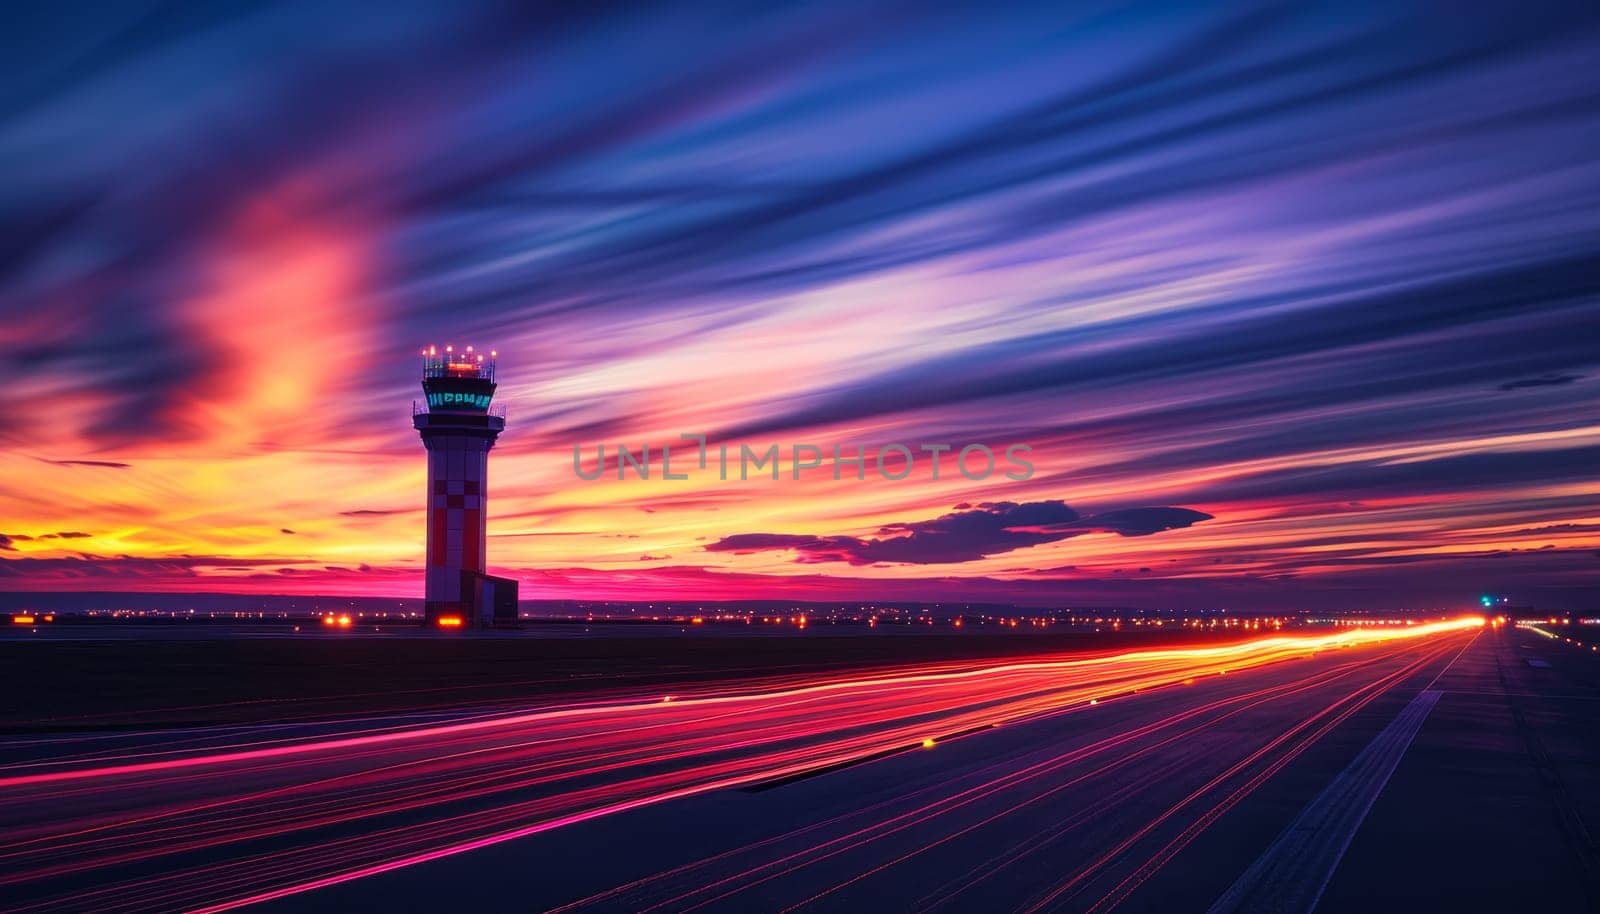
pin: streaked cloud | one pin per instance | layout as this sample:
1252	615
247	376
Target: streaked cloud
991	528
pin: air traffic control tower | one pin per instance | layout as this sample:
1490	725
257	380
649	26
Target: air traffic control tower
458	427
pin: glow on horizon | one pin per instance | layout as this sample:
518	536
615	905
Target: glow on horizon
1215	659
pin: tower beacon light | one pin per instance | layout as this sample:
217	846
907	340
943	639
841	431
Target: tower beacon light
459	424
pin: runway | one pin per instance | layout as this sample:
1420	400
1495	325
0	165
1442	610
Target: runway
1147	780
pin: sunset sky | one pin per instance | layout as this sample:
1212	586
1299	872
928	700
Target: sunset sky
1321	286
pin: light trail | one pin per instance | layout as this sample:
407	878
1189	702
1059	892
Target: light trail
249	821
1009	782
1012	784
1277	753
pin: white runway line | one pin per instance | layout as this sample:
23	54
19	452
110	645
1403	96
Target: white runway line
1290	876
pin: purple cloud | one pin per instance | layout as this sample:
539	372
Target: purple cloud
991	528
1549	380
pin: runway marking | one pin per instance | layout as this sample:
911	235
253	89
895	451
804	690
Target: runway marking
1574	830
1290	876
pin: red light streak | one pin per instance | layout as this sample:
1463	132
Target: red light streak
544	768
1007	782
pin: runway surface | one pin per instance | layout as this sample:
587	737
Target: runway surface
1150	780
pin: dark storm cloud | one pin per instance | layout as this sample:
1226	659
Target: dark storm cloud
87	566
1549	380
121	349
1479	472
709	501
1344	396
1562	529
991	528
1143	521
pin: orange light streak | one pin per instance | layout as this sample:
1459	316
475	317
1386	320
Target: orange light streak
546	768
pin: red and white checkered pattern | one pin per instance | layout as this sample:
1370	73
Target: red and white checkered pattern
458	476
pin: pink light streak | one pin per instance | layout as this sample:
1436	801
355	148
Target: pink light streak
423	793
